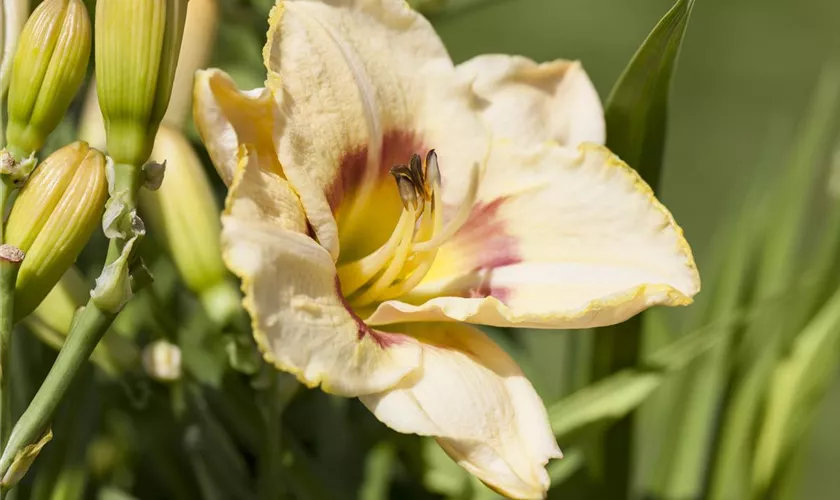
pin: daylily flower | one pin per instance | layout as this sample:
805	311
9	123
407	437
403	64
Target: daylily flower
382	200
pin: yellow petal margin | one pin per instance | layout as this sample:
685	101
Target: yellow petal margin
472	397
300	321
560	238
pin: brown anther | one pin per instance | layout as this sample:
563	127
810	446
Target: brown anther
405	185
418	176
432	171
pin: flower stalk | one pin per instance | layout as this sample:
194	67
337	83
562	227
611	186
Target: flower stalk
133	99
10	260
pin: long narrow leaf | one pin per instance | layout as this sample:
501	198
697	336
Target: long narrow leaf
764	339
690	429
636	116
621	393
637	108
798	384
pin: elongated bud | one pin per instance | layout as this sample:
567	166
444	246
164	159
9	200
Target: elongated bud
13	14
49	66
137	46
200	31
183	213
53	217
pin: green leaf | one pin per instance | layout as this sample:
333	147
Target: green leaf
441	474
637	107
379	466
636	116
603	401
690	425
798	384
220	469
765	338
561	470
113	493
619	394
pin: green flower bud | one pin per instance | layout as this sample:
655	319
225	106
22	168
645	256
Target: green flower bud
137	46
53	218
200	30
183	213
49	66
13	14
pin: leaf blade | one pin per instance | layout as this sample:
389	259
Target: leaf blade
637	107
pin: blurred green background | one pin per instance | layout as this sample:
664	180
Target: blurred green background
744	79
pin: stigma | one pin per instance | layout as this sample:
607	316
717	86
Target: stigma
401	263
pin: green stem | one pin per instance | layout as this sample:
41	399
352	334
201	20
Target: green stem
6	189
618	347
9	265
8	277
86	332
91	324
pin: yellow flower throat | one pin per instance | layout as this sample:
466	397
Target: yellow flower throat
401	263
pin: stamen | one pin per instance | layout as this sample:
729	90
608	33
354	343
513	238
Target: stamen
432	171
407	188
417	176
423	259
403	261
391	272
457	221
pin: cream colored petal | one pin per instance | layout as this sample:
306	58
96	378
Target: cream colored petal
531	102
362	84
299	319
472	397
257	195
560	238
227	118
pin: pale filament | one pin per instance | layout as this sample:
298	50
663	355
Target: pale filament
355	274
402	262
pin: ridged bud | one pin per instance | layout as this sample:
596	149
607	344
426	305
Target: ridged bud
200	31
184	215
137	46
49	65
13	14
53	218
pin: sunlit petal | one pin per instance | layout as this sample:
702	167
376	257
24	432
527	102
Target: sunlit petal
362	84
300	320
226	118
559	238
532	102
472	397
